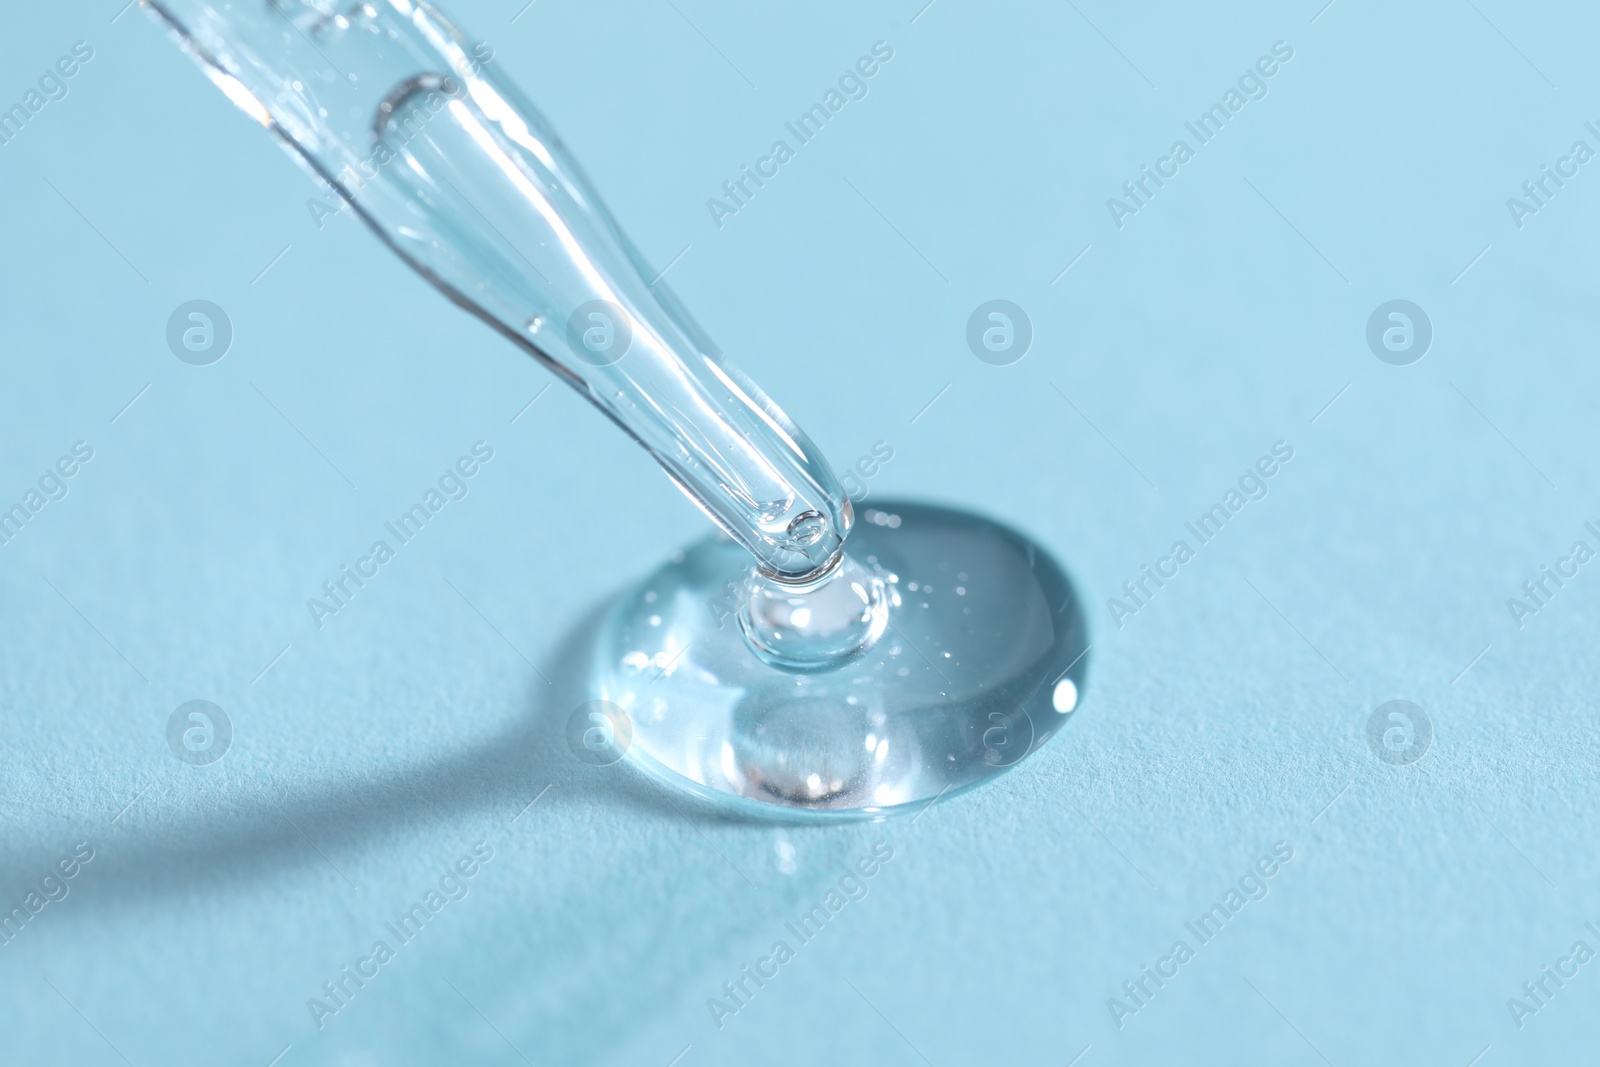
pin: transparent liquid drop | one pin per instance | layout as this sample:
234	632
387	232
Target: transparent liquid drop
818	625
955	689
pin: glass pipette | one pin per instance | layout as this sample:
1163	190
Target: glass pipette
410	123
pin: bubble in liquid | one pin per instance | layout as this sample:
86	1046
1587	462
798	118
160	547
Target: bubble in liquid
807	528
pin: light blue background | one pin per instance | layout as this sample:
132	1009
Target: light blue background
1221	719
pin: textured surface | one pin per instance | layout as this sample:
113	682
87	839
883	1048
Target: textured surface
1227	714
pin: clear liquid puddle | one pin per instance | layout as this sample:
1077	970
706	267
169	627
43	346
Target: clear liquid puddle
980	660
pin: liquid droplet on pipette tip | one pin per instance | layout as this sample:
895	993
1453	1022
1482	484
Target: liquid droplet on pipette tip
811	628
535	323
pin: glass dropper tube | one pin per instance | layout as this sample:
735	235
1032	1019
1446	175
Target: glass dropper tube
410	123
